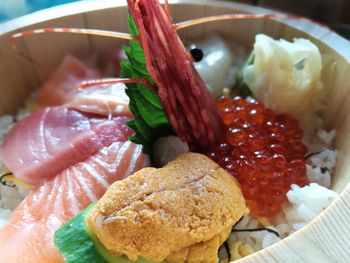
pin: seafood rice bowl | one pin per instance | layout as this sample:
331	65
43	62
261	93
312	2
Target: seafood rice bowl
174	149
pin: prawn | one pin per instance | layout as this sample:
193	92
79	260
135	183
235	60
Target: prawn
191	109
186	100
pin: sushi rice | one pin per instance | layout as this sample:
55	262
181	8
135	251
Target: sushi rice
10	197
305	202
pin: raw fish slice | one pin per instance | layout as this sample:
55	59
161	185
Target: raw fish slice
190	108
62	88
63	82
107	100
52	139
28	236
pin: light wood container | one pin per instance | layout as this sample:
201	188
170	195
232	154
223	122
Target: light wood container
325	239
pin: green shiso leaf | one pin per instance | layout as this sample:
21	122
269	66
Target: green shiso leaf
150	120
132	26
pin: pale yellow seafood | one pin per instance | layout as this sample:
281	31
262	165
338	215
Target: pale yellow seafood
182	212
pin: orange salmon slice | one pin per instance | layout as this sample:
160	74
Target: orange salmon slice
28	236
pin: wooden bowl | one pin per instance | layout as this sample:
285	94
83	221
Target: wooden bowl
325	239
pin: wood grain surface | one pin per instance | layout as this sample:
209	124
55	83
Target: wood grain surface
325	239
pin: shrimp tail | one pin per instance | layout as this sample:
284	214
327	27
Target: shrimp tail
190	107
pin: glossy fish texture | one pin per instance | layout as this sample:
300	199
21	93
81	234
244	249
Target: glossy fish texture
28	236
62	88
105	100
62	84
51	139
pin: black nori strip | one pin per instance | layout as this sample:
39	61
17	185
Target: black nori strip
324	170
4	182
315	153
238	222
257	229
227	247
226	244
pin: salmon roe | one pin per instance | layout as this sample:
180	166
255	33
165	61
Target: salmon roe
263	151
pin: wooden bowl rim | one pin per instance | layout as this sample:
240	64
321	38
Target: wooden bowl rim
329	38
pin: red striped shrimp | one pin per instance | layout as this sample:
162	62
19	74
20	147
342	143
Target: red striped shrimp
184	95
190	108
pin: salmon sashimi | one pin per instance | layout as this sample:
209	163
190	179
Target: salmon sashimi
28	236
51	139
62	88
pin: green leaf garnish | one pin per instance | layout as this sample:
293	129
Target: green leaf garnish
150	120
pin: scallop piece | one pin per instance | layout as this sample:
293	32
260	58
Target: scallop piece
213	61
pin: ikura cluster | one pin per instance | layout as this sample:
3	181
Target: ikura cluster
263	151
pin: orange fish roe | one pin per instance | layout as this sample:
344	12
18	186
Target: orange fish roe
263	151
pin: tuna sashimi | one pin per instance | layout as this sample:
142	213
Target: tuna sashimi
51	139
63	82
62	88
28	236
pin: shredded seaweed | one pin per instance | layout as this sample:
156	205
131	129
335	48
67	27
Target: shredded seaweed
226	244
270	230
4	182
324	170
238	222
227	248
309	155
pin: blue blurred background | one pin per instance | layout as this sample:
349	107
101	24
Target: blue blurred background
14	8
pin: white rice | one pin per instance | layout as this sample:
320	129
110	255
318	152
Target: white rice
6	123
321	164
10	197
305	202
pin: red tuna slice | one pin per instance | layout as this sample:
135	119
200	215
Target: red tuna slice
63	82
51	139
108	100
28	236
190	108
